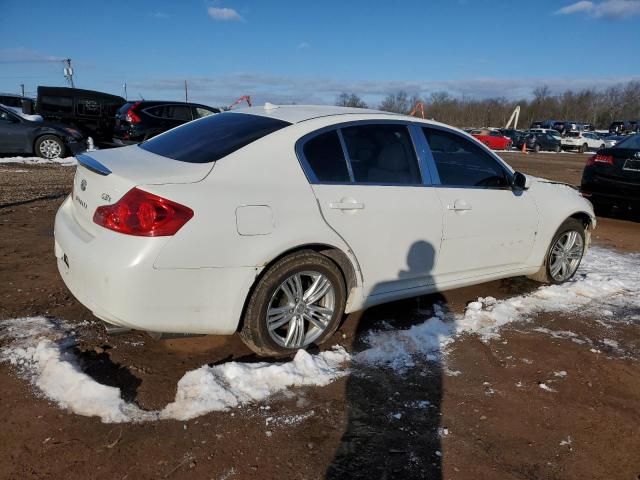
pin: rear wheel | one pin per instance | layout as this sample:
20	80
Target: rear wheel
583	148
536	148
49	147
564	254
298	302
557	149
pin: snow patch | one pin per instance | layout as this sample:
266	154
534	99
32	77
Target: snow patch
66	162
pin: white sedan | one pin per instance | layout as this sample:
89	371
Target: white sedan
277	221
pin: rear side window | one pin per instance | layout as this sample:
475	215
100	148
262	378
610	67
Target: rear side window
177	112
382	154
462	163
326	159
212	138
57	104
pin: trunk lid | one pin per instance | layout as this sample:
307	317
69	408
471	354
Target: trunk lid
103	177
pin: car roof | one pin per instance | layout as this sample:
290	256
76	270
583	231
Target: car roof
301	113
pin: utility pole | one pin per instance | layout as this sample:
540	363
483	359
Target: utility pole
186	96
22	88
125	90
68	72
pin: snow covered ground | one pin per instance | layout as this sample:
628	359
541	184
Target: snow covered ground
41	349
67	161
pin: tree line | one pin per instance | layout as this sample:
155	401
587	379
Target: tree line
599	107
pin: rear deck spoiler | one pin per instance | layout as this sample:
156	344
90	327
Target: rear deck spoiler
92	164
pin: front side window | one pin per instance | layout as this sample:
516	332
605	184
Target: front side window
382	154
212	138
462	163
326	159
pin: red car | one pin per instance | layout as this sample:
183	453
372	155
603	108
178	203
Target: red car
492	139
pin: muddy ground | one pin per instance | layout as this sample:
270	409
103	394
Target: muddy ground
491	421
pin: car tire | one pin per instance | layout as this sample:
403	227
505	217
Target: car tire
536	148
557	149
284	298
49	147
548	272
602	147
583	148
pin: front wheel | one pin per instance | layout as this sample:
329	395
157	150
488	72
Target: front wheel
564	254
557	149
298	302
536	148
49	147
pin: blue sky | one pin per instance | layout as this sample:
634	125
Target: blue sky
308	52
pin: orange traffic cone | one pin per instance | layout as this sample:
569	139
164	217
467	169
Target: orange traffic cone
524	147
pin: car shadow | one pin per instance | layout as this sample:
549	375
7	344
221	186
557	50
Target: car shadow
393	428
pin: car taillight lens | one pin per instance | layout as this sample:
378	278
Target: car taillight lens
599	158
132	116
143	214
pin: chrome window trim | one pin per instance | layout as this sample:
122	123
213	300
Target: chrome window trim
423	169
438	184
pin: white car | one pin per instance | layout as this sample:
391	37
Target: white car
276	221
582	141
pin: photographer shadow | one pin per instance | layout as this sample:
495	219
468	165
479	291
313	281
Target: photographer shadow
393	427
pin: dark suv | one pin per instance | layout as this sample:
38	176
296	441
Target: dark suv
139	121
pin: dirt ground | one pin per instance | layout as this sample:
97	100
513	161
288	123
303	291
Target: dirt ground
490	421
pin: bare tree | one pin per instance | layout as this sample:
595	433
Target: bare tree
350	100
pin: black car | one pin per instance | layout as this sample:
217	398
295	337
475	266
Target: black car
26	136
17	101
139	121
538	141
89	111
622	127
612	176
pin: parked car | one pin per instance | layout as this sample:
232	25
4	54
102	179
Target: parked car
511	134
276	221
612	176
27	136
538	141
140	121
612	140
623	127
582	141
89	111
493	139
552	132
22	104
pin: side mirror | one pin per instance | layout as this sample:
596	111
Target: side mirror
520	181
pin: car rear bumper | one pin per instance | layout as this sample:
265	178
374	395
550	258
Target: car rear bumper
601	189
114	277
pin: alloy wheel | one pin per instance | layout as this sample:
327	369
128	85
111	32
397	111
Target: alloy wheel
565	255
50	149
300	309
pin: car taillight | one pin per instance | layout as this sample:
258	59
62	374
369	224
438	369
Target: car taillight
599	158
143	214
132	116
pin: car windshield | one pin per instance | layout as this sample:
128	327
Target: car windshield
213	137
632	142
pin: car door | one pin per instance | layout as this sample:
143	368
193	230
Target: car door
487	226
368	180
14	133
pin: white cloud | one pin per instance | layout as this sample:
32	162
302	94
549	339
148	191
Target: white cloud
224	14
26	55
616	9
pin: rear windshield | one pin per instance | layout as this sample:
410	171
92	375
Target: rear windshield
213	137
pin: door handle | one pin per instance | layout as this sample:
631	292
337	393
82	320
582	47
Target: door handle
459	206
346	205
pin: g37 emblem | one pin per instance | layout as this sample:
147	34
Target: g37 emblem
83	185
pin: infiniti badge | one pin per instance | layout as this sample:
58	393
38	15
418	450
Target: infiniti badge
83	185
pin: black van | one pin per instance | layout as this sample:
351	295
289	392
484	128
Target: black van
89	111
